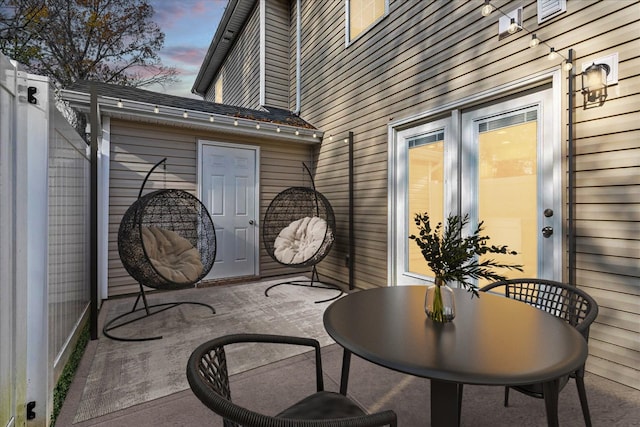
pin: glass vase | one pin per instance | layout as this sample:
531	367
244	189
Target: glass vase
439	302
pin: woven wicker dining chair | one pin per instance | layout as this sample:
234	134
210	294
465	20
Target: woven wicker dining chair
569	303
208	378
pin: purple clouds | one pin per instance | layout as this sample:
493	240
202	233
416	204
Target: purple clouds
189	26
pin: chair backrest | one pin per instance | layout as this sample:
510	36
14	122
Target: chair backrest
567	302
208	378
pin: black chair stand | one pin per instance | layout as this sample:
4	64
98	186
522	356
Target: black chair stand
308	209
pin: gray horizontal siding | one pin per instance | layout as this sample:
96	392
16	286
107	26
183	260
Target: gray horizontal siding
412	61
277	54
241	70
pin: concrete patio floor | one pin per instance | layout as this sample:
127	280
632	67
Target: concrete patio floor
273	387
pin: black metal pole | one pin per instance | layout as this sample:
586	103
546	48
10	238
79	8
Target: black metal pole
93	217
571	175
352	237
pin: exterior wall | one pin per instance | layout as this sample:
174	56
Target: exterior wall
136	147
241	70
277	57
413	61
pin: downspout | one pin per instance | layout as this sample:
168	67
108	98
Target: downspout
93	217
263	53
298	55
352	237
571	176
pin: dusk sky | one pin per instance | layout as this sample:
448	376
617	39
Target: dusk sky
189	26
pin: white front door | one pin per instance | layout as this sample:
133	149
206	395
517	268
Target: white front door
500	163
229	189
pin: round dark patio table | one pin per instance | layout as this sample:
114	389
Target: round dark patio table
493	340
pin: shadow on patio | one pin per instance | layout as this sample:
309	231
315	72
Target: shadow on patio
144	384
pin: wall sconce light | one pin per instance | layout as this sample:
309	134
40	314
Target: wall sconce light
594	83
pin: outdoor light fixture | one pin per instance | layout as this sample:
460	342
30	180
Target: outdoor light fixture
297	132
511	23
185	115
278	129
257	125
211	119
119	103
235	122
487	8
156	109
594	83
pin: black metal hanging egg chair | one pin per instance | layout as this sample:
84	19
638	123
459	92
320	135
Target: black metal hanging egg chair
166	241
298	231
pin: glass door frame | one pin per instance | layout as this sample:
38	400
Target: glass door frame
548	176
400	130
450	203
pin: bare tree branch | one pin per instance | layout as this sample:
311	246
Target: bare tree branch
107	40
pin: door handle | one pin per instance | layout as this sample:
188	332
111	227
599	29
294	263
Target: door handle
251	222
547	231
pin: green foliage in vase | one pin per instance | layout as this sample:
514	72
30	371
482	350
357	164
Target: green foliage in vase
453	257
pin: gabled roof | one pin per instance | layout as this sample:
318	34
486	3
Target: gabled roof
233	19
153	107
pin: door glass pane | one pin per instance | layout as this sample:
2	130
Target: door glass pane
425	190
507	188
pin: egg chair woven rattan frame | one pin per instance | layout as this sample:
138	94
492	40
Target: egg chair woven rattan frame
166	241
292	205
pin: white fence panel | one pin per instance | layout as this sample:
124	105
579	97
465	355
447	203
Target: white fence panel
8	323
44	244
69	234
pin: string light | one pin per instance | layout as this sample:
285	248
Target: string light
185	114
488	8
534	41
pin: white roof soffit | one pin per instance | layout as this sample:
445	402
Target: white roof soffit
235	16
159	114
